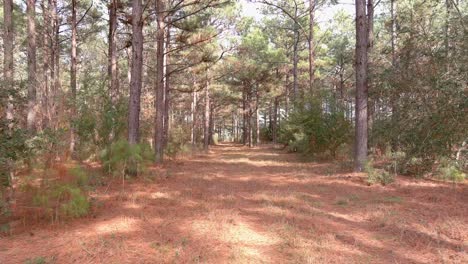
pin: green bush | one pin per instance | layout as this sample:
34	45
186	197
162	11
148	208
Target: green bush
313	129
80	176
178	142
380	176
62	200
450	171
122	158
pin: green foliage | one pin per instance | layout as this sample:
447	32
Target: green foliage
36	260
122	158
80	176
12	148
178	142
62	200
312	129
450	171
45	146
375	175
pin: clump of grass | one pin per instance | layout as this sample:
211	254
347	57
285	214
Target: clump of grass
391	199
36	260
342	202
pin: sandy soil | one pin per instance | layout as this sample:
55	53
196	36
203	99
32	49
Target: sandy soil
262	205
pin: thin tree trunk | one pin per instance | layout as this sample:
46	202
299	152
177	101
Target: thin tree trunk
45	59
393	10
275	121
295	63
8	36
311	44
160	90
73	76
167	89
257	117
287	95
193	109
448	8
32	93
206	134
136	73
244	115
212	123
113	67
361	86
370	46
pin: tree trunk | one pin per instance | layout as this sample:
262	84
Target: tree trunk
212	123
136	73
393	31
311	44
45	60
167	89
244	115
206	128
275	122
193	109
361	86
113	67
160	90
370	46
287	95
73	76
8	36
32	94
295	63
257	117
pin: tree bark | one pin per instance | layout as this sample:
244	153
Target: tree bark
56	63
32	93
45	62
113	67
206	128
167	87
244	115
393	10
311	44
257	117
136	73
370	46
193	109
73	76
360	155
275	121
160	90
8	36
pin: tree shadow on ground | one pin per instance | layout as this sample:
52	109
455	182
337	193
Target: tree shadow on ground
240	205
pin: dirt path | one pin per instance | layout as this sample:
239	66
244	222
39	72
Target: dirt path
240	205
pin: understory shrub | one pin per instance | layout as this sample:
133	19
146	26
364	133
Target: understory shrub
60	199
450	171
317	127
377	175
178	142
122	158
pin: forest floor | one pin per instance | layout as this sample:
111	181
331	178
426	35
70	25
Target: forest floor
261	205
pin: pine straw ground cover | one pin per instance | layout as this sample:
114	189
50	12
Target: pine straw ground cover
262	205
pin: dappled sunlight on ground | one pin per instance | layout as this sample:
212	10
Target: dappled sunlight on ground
260	205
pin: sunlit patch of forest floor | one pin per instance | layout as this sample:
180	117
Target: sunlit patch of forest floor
261	205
